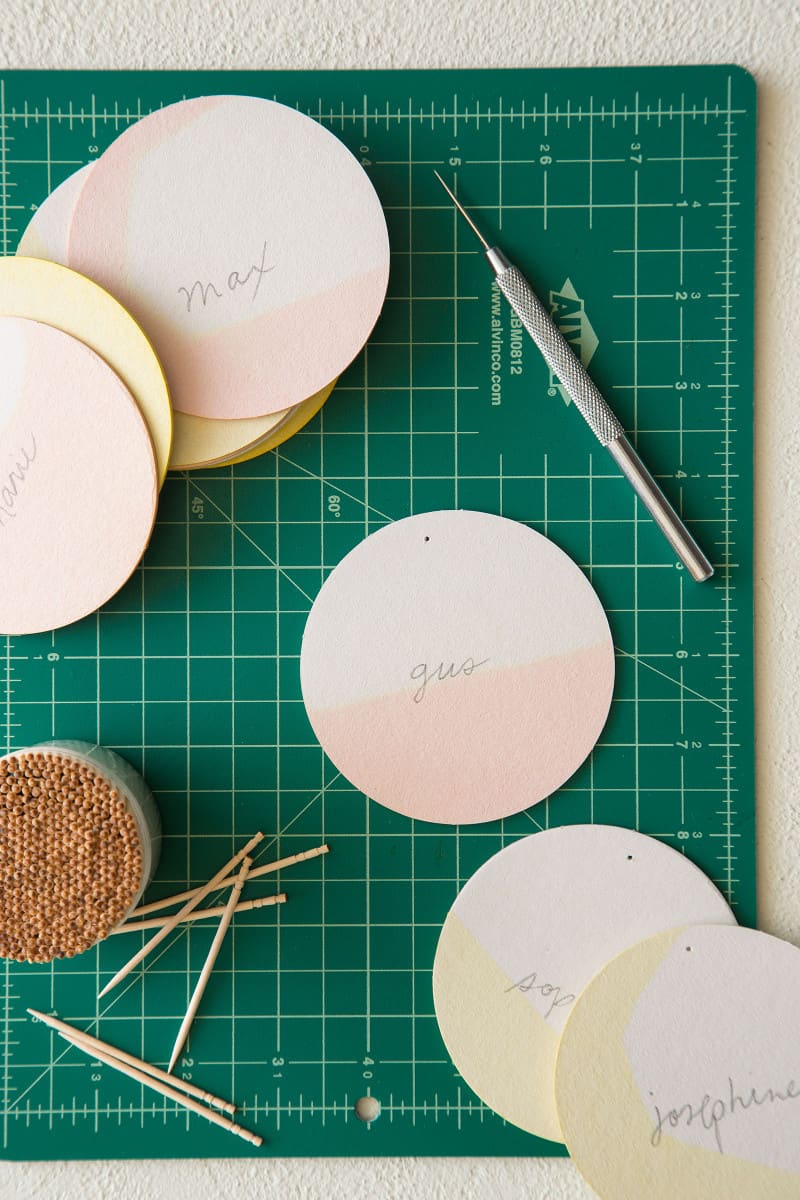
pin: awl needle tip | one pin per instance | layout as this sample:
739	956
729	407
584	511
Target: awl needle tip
463	212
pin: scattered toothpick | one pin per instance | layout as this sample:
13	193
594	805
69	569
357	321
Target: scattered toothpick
165	1090
212	885
202	915
205	974
91	1044
256	873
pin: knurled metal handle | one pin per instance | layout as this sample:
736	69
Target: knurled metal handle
565	364
559	355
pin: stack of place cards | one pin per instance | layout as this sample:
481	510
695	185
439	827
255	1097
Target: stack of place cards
221	263
249	245
592	987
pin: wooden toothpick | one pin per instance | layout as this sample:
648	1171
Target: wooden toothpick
205	974
90	1043
256	873
170	1092
177	917
202	915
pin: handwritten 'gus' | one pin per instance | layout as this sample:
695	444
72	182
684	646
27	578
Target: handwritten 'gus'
441	672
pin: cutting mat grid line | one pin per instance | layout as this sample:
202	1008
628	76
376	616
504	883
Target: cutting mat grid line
628	197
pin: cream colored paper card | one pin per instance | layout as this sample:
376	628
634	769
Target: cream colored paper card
247	241
200	442
203	442
526	934
297	419
679	1070
50	293
457	667
78	485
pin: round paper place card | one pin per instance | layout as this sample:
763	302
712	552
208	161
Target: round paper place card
527	933
202	442
78	484
295	420
457	667
679	1070
247	241
47	232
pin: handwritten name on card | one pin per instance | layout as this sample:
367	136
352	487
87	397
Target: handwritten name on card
13	482
235	282
441	672
532	983
712	1112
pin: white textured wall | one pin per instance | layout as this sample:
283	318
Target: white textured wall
763	36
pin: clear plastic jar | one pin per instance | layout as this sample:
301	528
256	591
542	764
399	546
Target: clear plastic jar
81	842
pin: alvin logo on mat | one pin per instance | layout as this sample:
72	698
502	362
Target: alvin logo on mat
569	314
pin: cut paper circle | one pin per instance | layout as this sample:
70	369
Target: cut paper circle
296	420
457	667
247	241
526	934
200	442
46	292
678	1070
78	485
47	232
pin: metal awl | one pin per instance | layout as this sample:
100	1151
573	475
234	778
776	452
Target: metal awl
585	395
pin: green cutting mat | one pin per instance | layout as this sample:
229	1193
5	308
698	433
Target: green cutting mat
628	196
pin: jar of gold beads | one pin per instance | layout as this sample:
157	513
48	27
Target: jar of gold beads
80	838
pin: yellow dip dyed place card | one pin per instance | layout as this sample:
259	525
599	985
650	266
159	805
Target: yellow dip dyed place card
679	1070
526	934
